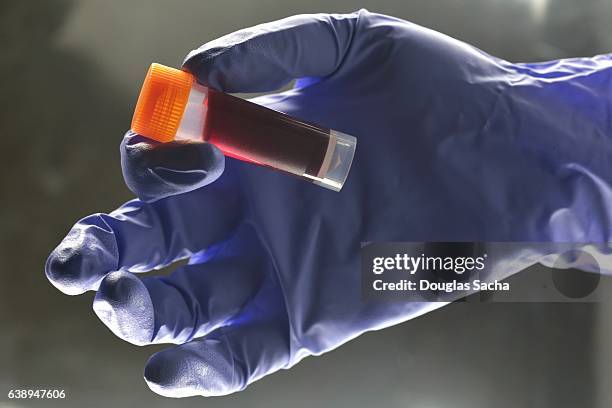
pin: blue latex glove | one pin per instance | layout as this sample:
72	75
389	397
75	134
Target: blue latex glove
453	145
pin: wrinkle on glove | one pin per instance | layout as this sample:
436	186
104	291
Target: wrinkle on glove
453	145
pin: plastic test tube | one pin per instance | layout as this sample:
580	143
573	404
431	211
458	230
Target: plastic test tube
173	106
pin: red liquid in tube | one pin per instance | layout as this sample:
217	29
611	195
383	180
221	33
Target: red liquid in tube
253	133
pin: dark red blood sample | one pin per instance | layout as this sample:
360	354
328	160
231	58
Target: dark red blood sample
253	133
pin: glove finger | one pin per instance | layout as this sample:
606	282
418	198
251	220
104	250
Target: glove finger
223	362
140	236
268	56
192	302
154	170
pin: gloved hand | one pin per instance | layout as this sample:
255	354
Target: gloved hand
453	145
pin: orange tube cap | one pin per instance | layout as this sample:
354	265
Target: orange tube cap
161	102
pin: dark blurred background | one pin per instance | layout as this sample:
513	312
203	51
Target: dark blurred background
70	72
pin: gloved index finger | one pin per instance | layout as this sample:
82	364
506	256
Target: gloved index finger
139	237
268	56
154	170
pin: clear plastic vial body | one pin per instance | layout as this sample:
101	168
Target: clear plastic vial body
173	106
